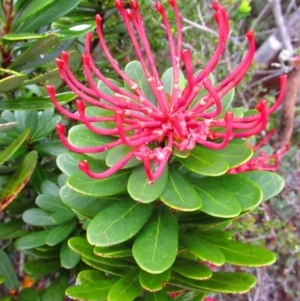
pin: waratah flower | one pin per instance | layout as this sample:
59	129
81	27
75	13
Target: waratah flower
262	160
179	120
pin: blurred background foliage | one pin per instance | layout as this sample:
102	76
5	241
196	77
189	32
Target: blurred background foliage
32	34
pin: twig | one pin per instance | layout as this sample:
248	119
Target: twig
279	19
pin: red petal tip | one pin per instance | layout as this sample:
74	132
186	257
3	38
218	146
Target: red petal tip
98	19
134	4
60	64
60	128
51	89
228	117
159	7
250	35
172	2
119	4
80	105
84	166
65	56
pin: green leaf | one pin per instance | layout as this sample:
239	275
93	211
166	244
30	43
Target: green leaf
158	296
68	258
45	125
154	282
56	290
32	240
155	247
221	282
135	71
7	270
108	269
9	150
31	9
89	276
93	291
128	215
119	152
246	192
50	203
38	48
242	254
38	217
47	14
227	99
235	153
85	205
35	103
41	267
205	162
167	79
270	183
191	269
112	185
180	193
11	228
127	288
216	201
29	294
60	233
68	163
202	249
62	216
22	36
18	180
12	81
191	296
80	136
139	188
82	247
116	251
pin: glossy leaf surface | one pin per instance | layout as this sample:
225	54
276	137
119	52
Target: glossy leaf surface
155	248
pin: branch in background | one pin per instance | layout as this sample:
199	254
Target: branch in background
288	50
270	48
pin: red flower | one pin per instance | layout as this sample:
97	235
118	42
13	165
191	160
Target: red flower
177	120
262	161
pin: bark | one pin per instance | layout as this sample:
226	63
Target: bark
288	109
266	53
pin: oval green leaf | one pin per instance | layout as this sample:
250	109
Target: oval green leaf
203	249
60	233
155	247
128	215
154	282
270	183
191	269
180	193
32	240
68	258
112	185
216	201
127	288
242	254
205	162
139	188
246	192
92	291
7	270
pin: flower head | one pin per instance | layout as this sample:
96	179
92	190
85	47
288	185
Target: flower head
179	119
